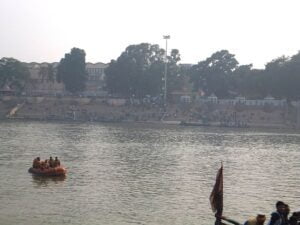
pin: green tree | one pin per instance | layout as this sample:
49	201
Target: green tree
274	77
292	81
240	79
13	74
281	77
71	71
213	74
175	76
139	70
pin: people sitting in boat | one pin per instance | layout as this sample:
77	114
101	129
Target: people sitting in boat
278	217
295	218
44	164
258	220
51	162
39	164
47	163
56	162
36	163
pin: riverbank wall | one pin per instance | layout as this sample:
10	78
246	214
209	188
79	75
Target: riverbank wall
118	110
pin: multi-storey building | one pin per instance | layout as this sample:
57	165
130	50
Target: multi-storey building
95	84
43	80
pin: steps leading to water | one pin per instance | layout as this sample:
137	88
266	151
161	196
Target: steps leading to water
14	110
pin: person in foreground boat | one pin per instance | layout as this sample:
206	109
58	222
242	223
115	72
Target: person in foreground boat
295	218
258	220
280	217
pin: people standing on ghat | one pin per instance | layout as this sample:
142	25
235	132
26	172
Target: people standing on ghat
277	217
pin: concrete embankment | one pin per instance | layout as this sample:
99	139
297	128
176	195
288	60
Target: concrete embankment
117	110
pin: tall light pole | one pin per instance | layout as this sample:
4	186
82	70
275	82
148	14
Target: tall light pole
166	37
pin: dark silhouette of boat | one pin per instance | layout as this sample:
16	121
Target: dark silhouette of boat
57	171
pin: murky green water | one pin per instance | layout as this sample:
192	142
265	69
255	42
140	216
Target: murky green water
143	174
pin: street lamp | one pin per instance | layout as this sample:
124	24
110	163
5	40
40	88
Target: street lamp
166	37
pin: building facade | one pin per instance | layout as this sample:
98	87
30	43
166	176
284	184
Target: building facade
269	100
95	84
42	81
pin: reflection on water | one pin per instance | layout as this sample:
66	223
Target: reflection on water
45	181
143	174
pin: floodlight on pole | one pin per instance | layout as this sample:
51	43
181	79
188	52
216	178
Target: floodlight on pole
166	37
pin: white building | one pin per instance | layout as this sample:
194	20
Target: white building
41	85
96	79
269	100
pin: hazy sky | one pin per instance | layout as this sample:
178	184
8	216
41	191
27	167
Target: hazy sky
256	31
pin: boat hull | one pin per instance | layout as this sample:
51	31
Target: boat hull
58	171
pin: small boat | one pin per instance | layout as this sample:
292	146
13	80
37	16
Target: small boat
57	171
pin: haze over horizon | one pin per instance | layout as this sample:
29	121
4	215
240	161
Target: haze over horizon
255	32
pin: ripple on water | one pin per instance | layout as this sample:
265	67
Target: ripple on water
143	174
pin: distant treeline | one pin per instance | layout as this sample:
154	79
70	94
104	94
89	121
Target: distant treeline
140	70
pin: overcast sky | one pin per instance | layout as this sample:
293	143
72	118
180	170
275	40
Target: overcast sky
256	31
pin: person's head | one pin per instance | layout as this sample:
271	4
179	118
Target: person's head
280	206
260	219
38	158
51	158
56	158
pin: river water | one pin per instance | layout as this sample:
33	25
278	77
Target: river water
121	174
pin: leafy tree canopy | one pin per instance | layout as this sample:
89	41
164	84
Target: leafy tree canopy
213	74
139	70
221	75
281	77
13	74
71	71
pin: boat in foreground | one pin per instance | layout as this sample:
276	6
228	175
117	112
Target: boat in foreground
57	171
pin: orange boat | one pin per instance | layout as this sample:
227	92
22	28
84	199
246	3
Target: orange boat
57	171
